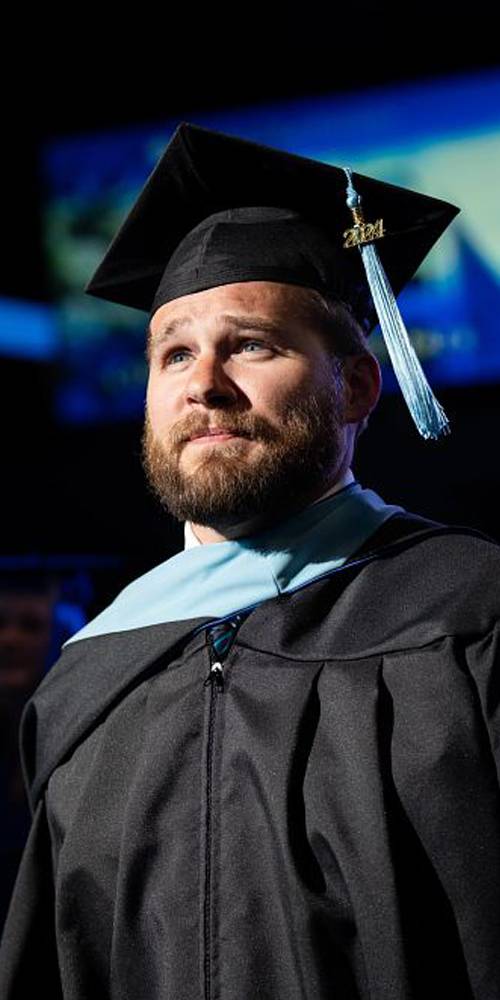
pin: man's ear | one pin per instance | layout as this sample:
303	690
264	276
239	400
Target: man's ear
363	384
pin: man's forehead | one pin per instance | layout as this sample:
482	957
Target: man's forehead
226	303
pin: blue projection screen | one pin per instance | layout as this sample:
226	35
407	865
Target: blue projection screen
439	137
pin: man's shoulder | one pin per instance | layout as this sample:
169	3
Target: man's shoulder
413	583
430	547
449	572
409	527
430	560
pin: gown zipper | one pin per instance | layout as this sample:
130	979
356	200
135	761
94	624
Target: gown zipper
220	639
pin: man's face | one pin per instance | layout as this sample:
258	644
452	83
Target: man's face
244	404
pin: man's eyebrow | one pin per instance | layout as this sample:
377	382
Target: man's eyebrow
251	322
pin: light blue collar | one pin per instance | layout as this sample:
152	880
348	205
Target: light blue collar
215	580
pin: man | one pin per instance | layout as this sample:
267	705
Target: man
27	607
267	769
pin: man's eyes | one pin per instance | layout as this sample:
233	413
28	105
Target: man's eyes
174	357
253	346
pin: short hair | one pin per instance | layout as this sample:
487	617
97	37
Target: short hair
343	334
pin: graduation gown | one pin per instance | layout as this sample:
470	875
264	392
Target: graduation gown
298	804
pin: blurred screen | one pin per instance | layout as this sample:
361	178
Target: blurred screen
439	137
28	330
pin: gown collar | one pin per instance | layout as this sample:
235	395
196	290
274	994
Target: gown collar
218	579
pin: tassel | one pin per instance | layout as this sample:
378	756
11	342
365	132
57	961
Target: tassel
427	412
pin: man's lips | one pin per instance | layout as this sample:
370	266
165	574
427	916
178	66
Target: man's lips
216	434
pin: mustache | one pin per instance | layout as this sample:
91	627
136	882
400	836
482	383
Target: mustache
244	424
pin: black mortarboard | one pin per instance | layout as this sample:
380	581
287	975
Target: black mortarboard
218	209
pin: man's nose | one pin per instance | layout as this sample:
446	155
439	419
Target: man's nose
210	384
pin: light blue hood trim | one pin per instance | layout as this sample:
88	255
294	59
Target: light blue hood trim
215	580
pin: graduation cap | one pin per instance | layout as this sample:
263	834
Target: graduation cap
218	209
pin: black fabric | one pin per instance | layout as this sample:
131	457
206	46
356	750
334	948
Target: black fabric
324	825
258	243
218	209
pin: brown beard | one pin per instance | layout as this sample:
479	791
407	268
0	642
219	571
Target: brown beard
229	485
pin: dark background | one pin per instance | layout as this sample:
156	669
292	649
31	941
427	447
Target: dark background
80	490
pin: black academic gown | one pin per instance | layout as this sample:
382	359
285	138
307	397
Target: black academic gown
320	821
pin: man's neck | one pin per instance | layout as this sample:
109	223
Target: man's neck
197	534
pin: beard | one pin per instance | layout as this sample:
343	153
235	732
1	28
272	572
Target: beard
230	482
